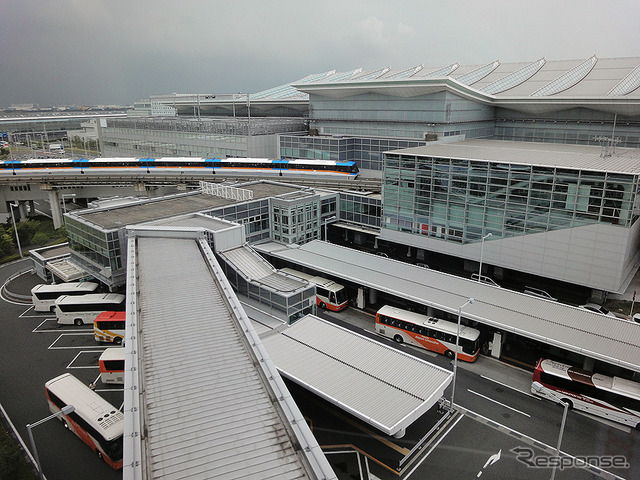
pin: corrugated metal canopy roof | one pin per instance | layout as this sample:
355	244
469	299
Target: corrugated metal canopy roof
609	339
577	157
208	398
358	374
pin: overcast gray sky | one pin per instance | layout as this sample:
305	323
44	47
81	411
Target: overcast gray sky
88	52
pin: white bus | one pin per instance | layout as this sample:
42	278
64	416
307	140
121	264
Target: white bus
78	310
431	333
329	294
613	398
44	295
94	420
111	364
109	327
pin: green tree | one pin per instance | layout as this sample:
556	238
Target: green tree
6	244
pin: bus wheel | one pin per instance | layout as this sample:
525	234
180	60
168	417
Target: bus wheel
78	322
397	338
568	402
322	305
449	354
53	309
117	340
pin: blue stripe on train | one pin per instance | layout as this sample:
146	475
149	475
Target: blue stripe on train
149	160
212	162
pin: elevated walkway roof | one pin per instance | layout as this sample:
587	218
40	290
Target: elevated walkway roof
612	340
202	396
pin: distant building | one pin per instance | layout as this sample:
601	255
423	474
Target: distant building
151	108
555	170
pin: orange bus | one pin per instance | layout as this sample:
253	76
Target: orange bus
431	333
94	420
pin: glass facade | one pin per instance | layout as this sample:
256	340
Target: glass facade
463	200
367	152
294	305
360	209
253	215
211	138
579	126
98	251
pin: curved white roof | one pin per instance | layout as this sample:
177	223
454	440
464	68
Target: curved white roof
611	84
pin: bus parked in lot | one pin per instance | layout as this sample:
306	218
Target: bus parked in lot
329	294
111	364
431	333
78	310
94	420
109	327
614	398
44	295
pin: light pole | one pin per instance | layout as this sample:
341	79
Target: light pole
481	253
326	222
15	228
64	205
66	410
565	404
455	358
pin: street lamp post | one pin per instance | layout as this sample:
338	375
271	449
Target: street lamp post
64	205
66	410
481	253
326	222
15	228
455	358
565	404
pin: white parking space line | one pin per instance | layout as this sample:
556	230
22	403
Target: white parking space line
433	447
35	314
51	347
529	394
502	404
70	366
35	330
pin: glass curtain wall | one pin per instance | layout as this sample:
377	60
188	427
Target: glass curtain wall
463	200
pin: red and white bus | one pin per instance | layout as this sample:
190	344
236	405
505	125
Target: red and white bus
111	364
329	294
431	333
94	420
614	398
109	327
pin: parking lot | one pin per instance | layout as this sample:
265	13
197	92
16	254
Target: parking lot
36	349
498	422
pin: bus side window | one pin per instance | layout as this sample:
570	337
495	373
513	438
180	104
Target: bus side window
56	401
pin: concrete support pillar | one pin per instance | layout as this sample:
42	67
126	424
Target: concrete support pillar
400	433
496	344
373	296
56	211
22	209
361	298
589	364
32	207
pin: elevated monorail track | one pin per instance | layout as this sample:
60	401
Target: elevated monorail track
53	180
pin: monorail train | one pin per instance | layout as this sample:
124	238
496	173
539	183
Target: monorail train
206	166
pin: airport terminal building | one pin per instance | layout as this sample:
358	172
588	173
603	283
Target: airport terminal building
540	154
